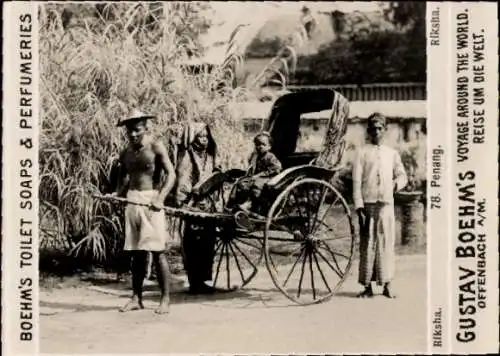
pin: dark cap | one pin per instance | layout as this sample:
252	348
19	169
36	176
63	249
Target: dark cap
376	117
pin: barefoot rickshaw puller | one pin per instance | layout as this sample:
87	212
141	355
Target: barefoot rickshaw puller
140	166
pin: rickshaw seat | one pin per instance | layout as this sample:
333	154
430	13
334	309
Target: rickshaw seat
207	186
287	176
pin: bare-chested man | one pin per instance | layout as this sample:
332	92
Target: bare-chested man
141	165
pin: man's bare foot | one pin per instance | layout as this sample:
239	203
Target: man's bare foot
164	307
367	293
133	304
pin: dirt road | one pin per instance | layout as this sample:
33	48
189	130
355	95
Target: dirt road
257	319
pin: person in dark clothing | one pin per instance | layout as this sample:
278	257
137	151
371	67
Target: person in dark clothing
197	163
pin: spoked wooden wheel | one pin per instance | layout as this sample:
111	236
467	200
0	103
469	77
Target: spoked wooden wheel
236	256
309	241
236	260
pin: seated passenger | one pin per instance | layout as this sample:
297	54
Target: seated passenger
263	166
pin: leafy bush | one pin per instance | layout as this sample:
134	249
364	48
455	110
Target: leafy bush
366	51
93	71
414	157
376	57
266	48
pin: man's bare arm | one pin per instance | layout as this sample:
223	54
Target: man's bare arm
161	152
123	178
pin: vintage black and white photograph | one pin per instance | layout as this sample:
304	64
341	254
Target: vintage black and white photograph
232	177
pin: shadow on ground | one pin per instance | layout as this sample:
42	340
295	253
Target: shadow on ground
243	298
72	307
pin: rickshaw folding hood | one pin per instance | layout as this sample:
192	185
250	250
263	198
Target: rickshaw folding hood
284	120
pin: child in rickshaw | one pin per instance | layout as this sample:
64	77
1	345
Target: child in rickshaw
263	166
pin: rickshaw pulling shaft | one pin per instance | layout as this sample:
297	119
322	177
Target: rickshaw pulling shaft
176	212
179	212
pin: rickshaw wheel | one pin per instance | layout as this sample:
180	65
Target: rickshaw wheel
236	256
309	241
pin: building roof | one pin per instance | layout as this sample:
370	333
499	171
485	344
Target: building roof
358	109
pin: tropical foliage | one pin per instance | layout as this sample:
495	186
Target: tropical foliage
414	157
376	57
98	61
364	51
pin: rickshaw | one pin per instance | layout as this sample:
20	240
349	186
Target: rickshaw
301	228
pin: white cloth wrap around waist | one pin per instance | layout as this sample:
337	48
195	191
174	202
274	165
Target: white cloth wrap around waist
145	229
142	196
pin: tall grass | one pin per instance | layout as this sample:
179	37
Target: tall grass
97	63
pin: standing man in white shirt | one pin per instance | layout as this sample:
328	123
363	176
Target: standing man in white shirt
377	173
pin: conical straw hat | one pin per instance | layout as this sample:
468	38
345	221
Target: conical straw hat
136	114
